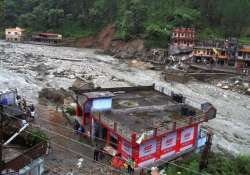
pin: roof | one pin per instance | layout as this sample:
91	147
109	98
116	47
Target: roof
15	29
185	30
208	47
13	151
94	95
14	111
144	110
49	34
245	48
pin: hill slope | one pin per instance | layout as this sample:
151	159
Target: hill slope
151	20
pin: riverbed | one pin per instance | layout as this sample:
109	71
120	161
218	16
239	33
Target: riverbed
29	68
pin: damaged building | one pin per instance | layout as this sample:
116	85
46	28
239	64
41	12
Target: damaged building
45	37
148	124
182	41
243	59
18	158
223	53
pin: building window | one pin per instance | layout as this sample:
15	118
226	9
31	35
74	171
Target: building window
15	33
9	32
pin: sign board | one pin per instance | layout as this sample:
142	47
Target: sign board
126	148
202	136
168	145
169	141
147	149
187	138
103	104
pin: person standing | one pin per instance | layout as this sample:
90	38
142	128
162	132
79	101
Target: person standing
131	166
142	172
96	153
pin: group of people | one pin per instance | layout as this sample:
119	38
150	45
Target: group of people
130	166
28	109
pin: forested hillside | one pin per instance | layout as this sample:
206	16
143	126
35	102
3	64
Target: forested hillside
148	19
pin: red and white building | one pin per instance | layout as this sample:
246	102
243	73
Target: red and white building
182	40
183	37
148	124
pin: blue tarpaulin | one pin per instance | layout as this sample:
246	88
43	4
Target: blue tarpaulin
103	104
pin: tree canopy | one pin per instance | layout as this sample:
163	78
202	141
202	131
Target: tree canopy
152	20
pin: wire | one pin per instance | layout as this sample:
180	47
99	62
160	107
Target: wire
111	142
73	140
93	148
147	168
79	154
31	159
62	126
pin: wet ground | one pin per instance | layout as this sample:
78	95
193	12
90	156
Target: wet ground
32	67
67	147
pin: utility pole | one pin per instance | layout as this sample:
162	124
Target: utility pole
205	153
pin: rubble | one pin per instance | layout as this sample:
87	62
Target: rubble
233	108
53	95
235	84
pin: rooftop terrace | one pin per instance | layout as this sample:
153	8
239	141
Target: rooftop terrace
140	110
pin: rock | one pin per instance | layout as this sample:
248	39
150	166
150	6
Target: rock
248	91
134	61
219	85
237	82
246	85
71	77
226	87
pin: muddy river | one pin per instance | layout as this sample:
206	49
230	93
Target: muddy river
32	67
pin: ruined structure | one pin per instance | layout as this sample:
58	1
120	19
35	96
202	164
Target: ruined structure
47	38
223	53
182	40
18	158
209	52
147	124
243	59
209	55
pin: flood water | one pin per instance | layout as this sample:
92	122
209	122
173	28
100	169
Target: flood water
33	67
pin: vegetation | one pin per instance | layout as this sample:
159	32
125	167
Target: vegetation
218	165
36	136
151	20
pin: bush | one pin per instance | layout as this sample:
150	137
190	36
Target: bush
218	165
70	111
1	33
36	136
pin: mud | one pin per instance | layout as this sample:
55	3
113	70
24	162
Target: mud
31	68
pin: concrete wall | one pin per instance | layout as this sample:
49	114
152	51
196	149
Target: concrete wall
13	35
34	168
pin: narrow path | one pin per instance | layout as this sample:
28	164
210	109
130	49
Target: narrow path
65	153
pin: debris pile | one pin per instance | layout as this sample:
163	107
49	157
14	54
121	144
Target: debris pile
235	85
53	95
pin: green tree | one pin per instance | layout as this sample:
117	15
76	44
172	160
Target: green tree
55	18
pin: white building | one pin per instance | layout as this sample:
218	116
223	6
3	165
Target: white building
14	34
